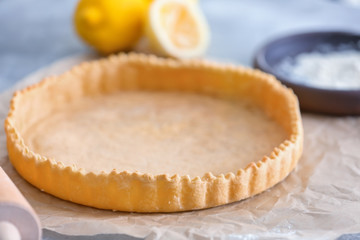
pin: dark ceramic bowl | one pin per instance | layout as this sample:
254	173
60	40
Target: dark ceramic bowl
312	99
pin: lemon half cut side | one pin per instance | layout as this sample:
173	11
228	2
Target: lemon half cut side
177	28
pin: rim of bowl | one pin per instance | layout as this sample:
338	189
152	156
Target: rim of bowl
260	62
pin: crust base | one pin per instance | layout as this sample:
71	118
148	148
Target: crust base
142	192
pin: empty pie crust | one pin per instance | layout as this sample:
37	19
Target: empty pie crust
144	134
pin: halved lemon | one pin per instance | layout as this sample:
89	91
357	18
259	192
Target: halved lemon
177	28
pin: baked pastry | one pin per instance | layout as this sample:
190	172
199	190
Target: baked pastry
144	134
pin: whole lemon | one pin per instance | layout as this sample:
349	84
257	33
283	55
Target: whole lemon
110	25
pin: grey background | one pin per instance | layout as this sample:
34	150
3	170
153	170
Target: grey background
35	33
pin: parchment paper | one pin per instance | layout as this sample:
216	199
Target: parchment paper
320	199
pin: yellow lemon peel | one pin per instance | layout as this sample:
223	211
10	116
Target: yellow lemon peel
110	25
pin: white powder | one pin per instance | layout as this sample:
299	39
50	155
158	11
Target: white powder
335	70
355	3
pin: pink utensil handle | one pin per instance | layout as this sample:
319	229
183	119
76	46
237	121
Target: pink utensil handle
15	212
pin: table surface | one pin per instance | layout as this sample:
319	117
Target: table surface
35	33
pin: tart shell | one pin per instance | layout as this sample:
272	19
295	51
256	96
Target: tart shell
143	192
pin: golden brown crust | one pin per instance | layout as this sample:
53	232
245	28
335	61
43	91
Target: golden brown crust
142	192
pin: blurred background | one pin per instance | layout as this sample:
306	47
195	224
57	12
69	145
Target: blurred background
35	33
